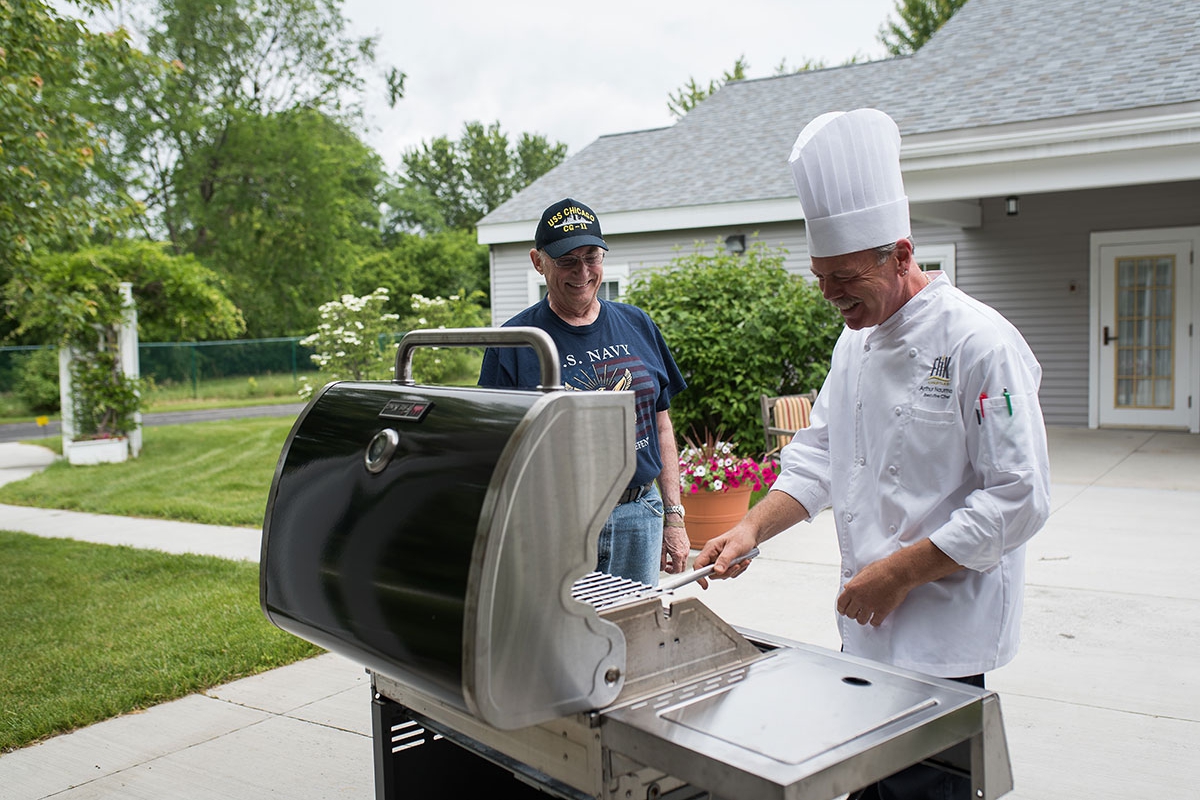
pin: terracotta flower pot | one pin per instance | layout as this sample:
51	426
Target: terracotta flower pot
710	514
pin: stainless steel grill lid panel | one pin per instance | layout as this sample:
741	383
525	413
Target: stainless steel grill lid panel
443	568
538	653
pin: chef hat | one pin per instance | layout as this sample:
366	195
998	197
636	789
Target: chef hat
846	165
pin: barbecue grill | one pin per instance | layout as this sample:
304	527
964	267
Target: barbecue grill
443	537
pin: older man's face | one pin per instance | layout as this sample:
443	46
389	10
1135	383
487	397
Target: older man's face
865	291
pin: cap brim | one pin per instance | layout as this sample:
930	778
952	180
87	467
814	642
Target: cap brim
564	246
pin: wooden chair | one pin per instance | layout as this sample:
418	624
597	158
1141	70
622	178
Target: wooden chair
784	415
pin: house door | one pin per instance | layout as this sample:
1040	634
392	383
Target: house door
1145	343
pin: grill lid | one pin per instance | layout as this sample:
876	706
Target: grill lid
434	534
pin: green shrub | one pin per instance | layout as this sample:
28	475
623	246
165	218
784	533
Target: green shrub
740	326
446	365
35	380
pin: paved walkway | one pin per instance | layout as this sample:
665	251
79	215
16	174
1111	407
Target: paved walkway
1103	700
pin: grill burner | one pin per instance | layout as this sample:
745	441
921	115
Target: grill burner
442	537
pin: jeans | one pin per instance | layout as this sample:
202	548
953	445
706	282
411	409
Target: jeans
631	539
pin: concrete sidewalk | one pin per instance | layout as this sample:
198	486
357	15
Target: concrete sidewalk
1103	700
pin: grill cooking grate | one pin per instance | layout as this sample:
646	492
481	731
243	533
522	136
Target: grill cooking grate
601	590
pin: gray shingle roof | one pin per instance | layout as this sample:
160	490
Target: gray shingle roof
995	62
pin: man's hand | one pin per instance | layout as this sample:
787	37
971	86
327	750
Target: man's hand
872	594
881	586
676	549
723	549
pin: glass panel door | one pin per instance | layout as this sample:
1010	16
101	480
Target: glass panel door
1145	317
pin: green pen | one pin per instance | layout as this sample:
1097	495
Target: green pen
1008	400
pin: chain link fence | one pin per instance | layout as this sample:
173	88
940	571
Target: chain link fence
184	368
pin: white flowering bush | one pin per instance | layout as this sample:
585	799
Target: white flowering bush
444	365
354	341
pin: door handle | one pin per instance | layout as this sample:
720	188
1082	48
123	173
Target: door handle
1108	338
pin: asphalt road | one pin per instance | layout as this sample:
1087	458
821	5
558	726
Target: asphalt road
29	431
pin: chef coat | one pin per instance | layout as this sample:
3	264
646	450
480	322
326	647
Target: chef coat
928	426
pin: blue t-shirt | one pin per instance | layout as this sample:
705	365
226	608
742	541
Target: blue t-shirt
622	350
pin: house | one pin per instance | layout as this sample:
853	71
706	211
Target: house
1051	154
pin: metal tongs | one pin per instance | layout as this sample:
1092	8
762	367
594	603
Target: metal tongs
684	578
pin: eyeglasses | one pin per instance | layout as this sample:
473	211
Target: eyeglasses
593	259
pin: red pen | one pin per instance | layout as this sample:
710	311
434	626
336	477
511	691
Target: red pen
982	397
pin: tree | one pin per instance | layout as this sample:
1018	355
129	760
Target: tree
48	147
919	21
435	265
691	94
227	61
290	209
68	294
74	300
739	326
451	185
243	147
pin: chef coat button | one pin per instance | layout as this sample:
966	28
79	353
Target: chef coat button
893	470
861	461
858	405
846	573
912	353
892	528
899	411
866	348
848	517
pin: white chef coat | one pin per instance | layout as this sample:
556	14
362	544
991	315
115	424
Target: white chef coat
896	449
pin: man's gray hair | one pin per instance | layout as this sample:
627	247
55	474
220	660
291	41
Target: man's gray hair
884	252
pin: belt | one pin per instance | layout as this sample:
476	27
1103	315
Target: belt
634	493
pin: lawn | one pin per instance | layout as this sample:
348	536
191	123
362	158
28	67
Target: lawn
212	472
88	631
91	631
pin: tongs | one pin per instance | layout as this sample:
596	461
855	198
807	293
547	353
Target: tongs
684	578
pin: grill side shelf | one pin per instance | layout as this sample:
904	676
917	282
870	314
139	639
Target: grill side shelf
797	723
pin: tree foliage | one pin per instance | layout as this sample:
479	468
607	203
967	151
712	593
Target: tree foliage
243	147
290	208
69	296
48	145
691	94
919	21
739	326
75	300
450	185
435	265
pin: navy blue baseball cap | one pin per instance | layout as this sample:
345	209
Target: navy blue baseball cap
566	225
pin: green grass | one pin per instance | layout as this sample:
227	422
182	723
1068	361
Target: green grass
226	393
212	472
88	632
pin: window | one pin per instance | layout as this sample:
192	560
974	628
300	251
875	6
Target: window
616	276
936	256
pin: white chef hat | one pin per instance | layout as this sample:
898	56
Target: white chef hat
846	165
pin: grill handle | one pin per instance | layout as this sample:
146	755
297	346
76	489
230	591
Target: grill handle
515	336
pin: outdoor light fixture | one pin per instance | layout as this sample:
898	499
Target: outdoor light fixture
735	244
1012	205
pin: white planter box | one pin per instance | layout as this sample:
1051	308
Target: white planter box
98	451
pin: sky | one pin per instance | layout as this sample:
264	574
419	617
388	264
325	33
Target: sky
575	71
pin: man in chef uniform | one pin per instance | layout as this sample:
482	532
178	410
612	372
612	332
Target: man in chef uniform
927	439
